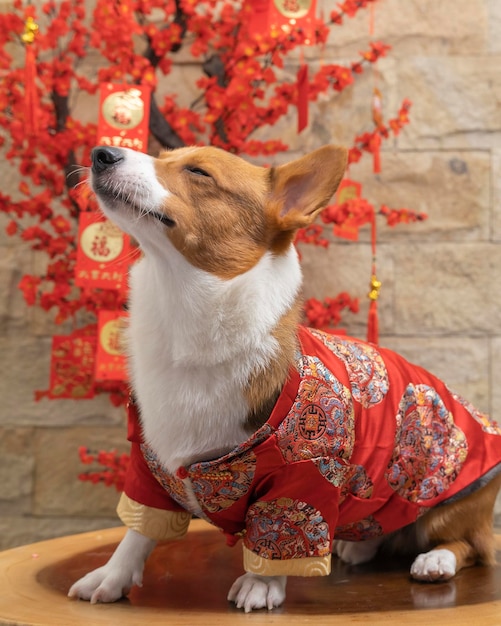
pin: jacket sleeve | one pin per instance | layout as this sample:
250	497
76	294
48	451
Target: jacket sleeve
289	527
145	506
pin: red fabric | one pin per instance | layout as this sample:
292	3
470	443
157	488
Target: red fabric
359	444
140	484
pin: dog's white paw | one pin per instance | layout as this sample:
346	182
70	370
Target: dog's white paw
251	591
434	565
115	579
356	552
106	584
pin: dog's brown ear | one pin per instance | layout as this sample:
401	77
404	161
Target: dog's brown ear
301	188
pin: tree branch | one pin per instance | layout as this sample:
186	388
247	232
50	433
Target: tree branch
159	126
161	129
214	66
71	169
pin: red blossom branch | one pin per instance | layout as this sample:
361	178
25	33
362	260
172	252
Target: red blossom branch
327	314
113	467
241	88
349	8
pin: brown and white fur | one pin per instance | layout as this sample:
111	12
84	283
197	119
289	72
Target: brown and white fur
213	313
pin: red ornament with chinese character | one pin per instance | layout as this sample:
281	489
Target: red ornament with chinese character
72	364
103	253
282	16
124	116
347	190
110	358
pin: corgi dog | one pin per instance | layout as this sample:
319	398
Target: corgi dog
294	441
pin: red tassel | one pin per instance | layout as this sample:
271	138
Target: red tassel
371	19
373	320
302	97
375	145
373	323
30	94
31	103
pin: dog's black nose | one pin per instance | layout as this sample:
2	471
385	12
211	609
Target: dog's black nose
104	157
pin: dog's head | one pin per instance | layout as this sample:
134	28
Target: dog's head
220	212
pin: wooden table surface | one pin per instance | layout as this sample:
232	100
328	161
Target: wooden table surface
186	583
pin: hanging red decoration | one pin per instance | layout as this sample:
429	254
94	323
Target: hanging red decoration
375	286
372	17
347	190
124	116
282	16
72	364
377	118
375	148
31	103
110	355
103	254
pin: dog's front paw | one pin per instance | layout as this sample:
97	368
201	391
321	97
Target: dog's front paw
434	565
251	591
105	584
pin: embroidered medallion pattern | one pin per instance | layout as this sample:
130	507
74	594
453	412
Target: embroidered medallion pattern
352	479
171	483
488	425
320	423
429	449
218	485
286	529
365	367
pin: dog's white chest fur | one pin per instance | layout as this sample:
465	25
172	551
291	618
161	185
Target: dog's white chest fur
194	342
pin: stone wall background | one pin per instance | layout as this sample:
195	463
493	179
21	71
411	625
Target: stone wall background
440	302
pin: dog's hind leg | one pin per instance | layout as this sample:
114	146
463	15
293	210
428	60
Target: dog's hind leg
443	562
461	535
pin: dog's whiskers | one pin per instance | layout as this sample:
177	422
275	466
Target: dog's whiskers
80	169
85	181
136	196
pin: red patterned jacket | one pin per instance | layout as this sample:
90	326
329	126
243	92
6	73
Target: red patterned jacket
359	444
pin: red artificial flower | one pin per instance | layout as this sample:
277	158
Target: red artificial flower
61	224
29	286
11	228
328	313
401	216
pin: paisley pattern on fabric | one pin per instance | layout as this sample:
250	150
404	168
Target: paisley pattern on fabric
429	448
286	529
352	479
365	367
359	531
488	425
218	486
321	423
171	483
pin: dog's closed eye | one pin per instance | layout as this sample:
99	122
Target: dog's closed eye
198	171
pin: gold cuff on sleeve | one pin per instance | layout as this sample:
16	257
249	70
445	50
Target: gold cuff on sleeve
309	566
152	523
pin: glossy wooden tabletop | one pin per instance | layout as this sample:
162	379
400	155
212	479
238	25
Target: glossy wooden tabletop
186	583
